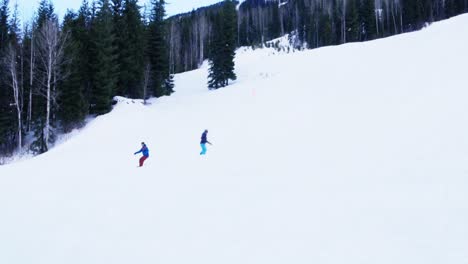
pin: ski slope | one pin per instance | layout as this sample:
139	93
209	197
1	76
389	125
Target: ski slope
355	154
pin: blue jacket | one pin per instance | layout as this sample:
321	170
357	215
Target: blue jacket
204	140
143	150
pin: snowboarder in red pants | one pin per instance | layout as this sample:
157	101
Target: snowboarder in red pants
145	152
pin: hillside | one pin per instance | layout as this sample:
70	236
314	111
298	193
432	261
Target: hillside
352	154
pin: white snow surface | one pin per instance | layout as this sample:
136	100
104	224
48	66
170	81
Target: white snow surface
353	154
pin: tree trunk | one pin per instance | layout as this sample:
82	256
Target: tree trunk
11	60
146	81
31	78
344	21
377	22
48	98
394	20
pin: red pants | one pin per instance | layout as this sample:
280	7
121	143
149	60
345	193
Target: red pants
142	160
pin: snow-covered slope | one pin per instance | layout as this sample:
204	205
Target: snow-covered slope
350	154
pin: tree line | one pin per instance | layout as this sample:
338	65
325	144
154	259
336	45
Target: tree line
320	23
313	23
54	74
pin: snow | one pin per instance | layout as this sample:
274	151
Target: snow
349	154
240	2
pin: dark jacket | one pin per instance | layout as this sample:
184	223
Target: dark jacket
204	140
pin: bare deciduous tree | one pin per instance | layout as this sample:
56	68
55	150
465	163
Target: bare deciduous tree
50	46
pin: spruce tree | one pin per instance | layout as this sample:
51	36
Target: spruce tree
73	107
4	15
325	32
82	39
367	18
45	12
413	12
157	50
230	36
104	63
453	7
119	32
337	23
132	51
352	21
310	31
6	111
223	47
216	56
14	69
169	83
117	12
243	33
275	25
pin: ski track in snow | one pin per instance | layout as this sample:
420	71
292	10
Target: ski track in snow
349	154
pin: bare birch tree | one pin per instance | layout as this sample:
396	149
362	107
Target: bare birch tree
50	46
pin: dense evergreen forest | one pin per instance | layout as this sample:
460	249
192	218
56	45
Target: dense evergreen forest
56	72
314	23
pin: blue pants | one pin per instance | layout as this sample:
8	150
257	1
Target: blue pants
203	147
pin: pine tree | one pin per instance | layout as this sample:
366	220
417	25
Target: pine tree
45	12
117	12
275	25
223	47
230	36
157	50
6	111
73	107
82	40
453	7
132	51
14	72
311	30
300	17
412	14
337	23
169	83
4	13
368	29
325	32
352	21
119	42
104	63
216	57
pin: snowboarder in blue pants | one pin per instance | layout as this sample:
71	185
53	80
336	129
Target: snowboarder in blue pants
203	142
